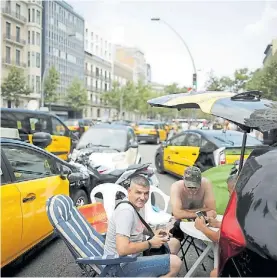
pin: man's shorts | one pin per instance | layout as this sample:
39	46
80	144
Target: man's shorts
148	266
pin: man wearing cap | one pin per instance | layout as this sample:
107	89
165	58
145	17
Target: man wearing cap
192	194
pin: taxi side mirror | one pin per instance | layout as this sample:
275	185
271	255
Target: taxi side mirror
65	171
42	139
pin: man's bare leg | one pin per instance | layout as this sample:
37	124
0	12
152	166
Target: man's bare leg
175	266
174	245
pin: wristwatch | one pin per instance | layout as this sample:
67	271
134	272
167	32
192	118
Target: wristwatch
149	245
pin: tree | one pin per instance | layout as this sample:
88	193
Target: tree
14	86
265	80
174	89
51	83
214	83
241	77
76	95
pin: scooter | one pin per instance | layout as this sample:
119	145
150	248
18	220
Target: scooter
117	176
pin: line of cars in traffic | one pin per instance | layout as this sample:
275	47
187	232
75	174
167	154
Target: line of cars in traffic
33	168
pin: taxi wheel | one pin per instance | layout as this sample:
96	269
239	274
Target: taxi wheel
80	198
159	164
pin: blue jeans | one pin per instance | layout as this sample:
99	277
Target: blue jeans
148	266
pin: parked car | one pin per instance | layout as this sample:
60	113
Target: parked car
113	146
28	122
29	176
248	238
202	148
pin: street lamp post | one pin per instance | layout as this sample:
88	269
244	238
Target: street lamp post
194	76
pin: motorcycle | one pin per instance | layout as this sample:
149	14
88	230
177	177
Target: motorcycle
100	174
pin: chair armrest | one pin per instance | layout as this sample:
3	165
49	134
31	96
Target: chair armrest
106	260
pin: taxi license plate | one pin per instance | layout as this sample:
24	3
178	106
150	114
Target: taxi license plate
144	135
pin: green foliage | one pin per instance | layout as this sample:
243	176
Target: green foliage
51	83
265	80
233	84
14	86
76	95
174	89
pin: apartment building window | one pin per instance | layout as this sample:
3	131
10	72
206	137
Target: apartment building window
8	30
17	57
17	34
8	5
33	37
17	11
38	60
86	67
38	17
105	74
29	37
33	15
96	84
101	72
91	68
106	87
33	59
29	59
38	39
29	15
8	54
97	72
37	84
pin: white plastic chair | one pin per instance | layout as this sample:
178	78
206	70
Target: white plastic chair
108	191
153	217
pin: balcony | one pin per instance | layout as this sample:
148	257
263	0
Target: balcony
8	12
7	61
14	39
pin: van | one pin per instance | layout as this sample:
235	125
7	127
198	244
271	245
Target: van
28	122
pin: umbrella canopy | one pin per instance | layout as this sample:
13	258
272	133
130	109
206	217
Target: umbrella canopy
227	105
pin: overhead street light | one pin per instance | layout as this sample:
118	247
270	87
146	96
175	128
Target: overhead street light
194	76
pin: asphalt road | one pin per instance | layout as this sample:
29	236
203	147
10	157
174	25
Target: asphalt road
55	260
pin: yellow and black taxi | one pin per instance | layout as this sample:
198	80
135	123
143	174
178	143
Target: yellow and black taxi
29	176
202	148
78	125
28	122
152	132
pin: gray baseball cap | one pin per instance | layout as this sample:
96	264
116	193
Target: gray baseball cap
192	177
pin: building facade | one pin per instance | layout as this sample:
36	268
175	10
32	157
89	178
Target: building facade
63	48
135	58
149	73
270	51
21	45
97	81
98	72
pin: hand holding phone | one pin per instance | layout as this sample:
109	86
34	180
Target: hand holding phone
201	214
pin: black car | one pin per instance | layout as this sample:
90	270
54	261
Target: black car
248	238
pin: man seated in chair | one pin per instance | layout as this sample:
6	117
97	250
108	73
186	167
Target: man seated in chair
126	236
192	194
201	225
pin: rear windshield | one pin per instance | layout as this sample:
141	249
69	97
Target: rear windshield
229	140
146	126
72	122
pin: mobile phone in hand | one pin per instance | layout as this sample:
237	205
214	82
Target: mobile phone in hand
201	214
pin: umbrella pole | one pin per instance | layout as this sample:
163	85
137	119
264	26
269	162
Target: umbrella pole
242	150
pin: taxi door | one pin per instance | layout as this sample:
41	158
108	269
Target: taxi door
187	154
170	151
61	141
36	177
11	217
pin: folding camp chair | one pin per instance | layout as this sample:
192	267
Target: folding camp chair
84	243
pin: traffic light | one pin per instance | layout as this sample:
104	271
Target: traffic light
194	79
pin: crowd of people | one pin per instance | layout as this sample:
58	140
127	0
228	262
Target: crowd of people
127	235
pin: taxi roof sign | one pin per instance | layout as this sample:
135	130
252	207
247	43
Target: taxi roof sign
11	133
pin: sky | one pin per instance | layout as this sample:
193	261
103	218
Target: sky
222	35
